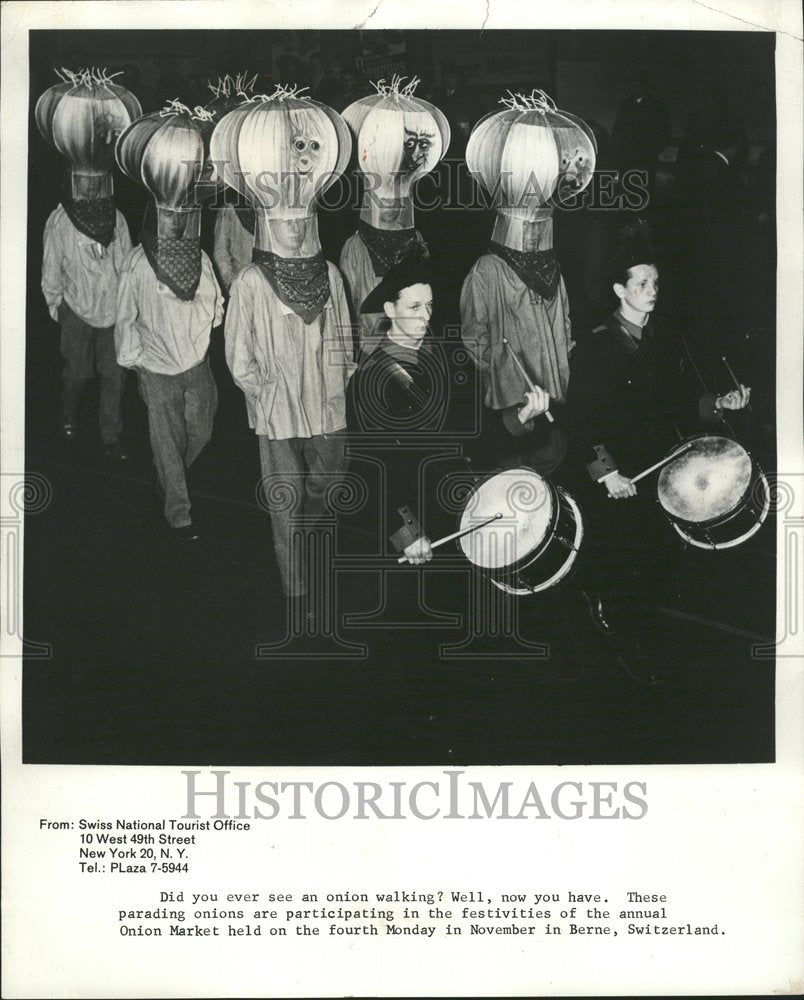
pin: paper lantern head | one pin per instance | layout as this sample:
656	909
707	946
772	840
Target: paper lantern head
530	153
398	137
281	151
167	152
82	118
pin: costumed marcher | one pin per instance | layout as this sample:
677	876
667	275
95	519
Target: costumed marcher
398	139
288	332
86	239
514	308
398	403
234	224
633	395
169	300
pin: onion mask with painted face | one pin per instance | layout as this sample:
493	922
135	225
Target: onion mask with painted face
281	152
399	138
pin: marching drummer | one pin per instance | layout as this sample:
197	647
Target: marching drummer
397	404
631	387
632	396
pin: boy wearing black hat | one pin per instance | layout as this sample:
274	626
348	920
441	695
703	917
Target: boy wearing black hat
402	391
397	399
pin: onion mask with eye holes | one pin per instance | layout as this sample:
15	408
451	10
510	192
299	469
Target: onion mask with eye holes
281	151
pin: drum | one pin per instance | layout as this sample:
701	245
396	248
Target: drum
714	494
535	543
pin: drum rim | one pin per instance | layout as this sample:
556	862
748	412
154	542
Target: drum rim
551	491
566	568
714	522
732	542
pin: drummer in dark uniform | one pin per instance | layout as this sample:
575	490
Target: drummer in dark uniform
400	395
632	397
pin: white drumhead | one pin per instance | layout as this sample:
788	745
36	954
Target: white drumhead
707	481
526	504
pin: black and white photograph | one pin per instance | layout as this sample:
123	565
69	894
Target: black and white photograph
400	397
301	306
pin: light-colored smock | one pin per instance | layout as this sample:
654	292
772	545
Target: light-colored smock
293	374
496	303
157	330
80	271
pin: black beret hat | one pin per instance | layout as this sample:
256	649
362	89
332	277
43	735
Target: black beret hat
403	275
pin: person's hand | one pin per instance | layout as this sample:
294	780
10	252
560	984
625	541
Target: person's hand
536	403
737	399
619	487
419	552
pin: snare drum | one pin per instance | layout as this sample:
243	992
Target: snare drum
714	494
535	543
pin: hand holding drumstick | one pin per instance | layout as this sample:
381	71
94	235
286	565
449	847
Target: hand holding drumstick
536	399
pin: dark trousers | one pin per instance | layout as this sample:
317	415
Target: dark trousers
181	411
86	349
297	474
628	556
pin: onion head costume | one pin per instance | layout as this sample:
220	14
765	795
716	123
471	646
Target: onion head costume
82	117
167	153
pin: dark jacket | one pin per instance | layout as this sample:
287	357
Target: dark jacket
397	419
635	398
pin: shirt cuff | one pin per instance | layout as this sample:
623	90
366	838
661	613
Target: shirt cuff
604	465
409	532
707	409
513	424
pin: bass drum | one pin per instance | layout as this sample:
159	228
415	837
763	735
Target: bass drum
535	543
714	494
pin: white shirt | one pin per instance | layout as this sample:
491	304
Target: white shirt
157	330
81	272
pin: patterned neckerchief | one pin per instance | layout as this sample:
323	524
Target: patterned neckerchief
389	247
302	283
94	218
538	269
247	217
175	262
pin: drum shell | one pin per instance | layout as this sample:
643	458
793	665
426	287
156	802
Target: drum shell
552	560
732	527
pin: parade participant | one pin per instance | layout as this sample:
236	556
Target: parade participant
398	392
632	396
398	138
288	332
234	224
400	395
513	304
169	300
85	242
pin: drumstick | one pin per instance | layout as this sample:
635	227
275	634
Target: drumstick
525	376
737	385
457	534
664	461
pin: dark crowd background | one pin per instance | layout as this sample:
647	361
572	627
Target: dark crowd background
152	650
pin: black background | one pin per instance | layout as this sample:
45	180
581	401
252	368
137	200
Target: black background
152	645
